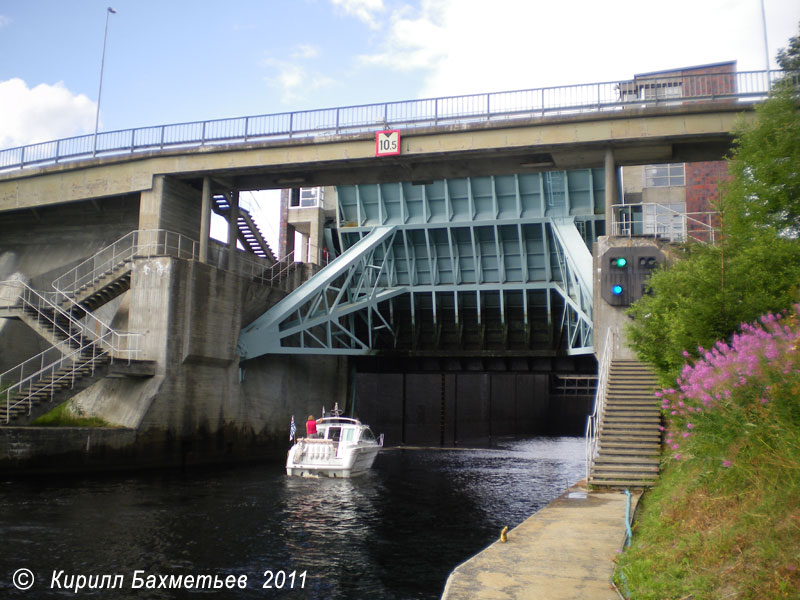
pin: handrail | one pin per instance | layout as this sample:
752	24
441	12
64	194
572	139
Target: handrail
94	333
593	421
158	242
143	243
34	385
259	272
407	114
663	223
93	330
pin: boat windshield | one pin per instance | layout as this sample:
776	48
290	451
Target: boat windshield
367	435
334	433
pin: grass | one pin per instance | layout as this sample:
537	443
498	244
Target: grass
62	416
724	519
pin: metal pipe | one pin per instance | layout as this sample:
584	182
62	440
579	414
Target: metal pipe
766	46
109	12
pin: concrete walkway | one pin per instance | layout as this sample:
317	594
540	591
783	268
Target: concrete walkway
564	551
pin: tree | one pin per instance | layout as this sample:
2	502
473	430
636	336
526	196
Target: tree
789	58
765	164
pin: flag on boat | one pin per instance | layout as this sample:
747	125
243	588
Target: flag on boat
292	429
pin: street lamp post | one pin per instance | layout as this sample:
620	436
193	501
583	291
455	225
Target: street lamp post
766	46
109	12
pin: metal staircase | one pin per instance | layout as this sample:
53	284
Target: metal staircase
83	349
248	232
627	436
36	394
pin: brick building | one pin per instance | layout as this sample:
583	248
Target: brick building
675	199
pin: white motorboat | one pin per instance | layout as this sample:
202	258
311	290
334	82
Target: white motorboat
343	447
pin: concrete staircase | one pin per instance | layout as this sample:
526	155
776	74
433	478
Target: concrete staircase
629	441
56	328
248	232
39	396
106	286
66	321
56	317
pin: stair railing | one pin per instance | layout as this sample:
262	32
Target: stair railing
665	222
93	333
107	259
47	379
271	274
593	421
141	243
47	316
121	345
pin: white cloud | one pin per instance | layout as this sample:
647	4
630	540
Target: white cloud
305	51
413	41
365	10
45	112
294	81
463	46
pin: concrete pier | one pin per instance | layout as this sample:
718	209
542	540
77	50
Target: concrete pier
563	552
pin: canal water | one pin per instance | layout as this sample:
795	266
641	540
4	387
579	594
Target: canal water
395	533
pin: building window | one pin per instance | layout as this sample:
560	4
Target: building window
307	198
664	175
665	220
657	91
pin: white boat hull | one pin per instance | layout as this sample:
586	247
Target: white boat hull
323	458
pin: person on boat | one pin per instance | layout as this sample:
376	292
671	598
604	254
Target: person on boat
311	427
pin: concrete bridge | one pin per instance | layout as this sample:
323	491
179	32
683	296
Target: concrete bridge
186	299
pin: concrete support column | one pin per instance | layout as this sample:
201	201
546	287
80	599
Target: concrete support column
233	229
205	220
611	188
289	242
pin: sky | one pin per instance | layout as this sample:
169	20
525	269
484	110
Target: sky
172	61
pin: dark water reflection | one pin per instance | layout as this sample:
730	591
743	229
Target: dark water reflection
395	533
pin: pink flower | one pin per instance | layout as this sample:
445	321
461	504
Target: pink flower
686	434
726	463
677	457
689	426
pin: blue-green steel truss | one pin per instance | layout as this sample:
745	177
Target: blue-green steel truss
490	265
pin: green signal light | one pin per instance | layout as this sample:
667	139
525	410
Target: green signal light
616	290
620	262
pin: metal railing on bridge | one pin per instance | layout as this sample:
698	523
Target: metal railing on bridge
649	219
408	114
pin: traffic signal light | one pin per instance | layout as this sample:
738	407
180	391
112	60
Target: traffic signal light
625	271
